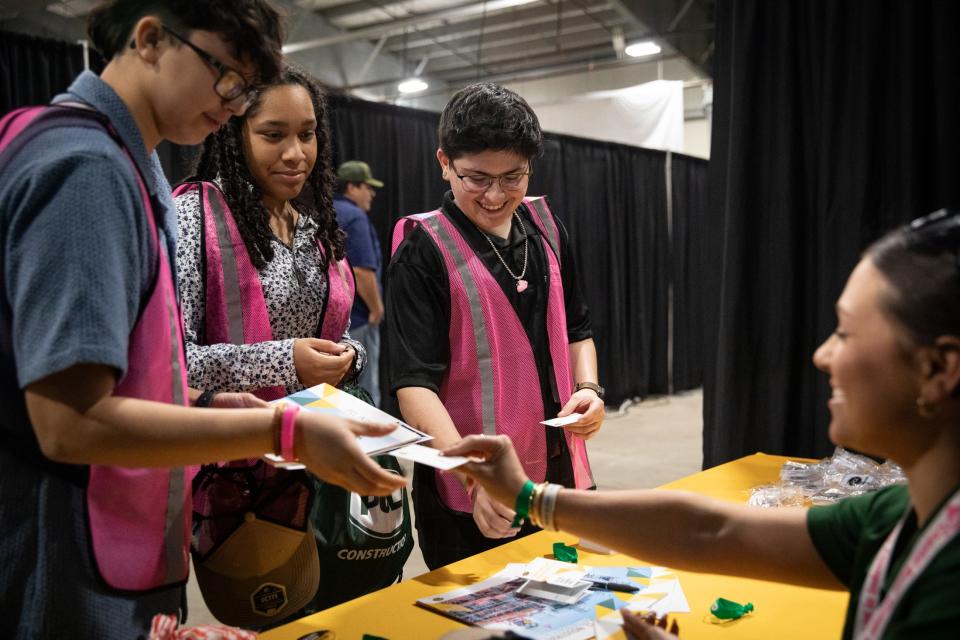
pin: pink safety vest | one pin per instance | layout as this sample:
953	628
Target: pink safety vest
487	387
236	311
139	518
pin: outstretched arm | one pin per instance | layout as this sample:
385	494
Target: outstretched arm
78	420
674	528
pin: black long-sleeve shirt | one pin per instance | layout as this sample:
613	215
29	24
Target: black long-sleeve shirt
416	342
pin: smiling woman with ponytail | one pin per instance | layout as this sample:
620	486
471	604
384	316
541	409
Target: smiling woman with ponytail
894	367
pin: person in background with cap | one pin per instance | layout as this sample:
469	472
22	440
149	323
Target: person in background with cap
355	194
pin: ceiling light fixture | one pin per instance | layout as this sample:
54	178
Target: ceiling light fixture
640	49
413	85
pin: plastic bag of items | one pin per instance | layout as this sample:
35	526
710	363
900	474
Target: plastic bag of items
842	475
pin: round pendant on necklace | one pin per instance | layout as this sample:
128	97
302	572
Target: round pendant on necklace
521	285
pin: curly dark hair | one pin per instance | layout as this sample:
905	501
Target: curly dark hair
486	116
251	27
223	158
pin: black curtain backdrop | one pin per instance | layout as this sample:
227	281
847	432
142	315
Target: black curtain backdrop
33	70
689	209
834	122
635	215
614	201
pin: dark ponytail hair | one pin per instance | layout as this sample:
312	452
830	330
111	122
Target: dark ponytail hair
223	158
251	27
921	263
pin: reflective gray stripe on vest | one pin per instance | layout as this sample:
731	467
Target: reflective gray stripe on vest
173	533
538	208
484	363
228	267
343	275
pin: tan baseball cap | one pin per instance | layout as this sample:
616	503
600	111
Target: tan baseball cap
259	563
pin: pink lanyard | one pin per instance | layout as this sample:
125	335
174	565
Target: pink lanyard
872	615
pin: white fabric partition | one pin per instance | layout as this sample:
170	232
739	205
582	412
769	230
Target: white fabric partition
647	115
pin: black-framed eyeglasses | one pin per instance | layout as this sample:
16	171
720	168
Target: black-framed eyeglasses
230	85
480	183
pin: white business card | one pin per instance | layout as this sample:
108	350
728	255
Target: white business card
564	421
429	456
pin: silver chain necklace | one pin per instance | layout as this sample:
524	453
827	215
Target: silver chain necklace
521	282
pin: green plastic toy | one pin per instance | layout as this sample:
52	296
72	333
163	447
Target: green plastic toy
564	553
729	610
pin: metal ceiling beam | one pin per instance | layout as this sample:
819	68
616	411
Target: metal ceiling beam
373	56
662	14
396	26
518	40
352	8
562	69
677	18
574	20
543	57
629	16
589	11
604	48
542	73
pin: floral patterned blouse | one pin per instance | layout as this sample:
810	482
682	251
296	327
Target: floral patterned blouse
294	288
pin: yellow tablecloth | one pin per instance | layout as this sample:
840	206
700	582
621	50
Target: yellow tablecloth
782	611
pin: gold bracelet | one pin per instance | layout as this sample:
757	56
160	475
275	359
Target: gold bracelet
534	514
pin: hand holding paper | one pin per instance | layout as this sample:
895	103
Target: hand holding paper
333	453
564	421
325	399
428	456
592	410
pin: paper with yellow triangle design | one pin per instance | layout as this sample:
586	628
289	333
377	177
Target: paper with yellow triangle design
325	398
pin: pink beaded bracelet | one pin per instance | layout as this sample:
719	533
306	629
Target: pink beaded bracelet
287	429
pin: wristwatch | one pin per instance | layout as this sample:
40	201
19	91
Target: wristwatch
205	399
593	386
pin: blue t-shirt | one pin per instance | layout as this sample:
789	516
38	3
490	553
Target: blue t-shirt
363	250
76	266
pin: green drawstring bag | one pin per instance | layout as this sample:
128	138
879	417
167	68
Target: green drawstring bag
363	541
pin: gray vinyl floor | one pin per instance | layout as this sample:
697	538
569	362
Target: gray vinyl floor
648	444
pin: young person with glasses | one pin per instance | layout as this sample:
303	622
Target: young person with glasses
487	331
95	454
894	368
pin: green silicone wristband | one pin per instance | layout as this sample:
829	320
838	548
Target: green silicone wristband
522	507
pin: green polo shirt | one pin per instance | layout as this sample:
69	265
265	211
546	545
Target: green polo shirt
847	535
